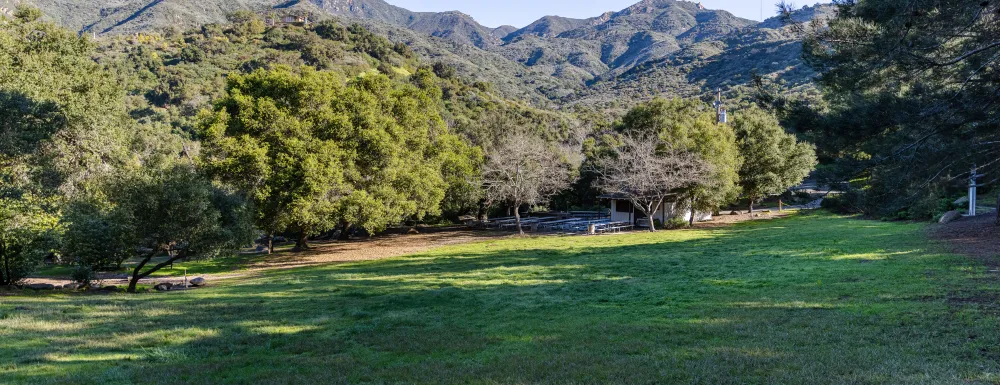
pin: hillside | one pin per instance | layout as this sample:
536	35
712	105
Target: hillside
671	47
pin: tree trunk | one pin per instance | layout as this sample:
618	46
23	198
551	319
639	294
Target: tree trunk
132	282
345	232
302	243
136	275
691	220
652	225
517	217
270	244
6	267
751	206
481	210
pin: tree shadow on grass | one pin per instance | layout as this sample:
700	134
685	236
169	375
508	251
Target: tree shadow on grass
723	306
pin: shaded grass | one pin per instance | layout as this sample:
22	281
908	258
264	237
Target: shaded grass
808	299
225	264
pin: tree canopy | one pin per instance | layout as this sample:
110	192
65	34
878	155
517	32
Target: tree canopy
690	125
911	94
317	152
774	160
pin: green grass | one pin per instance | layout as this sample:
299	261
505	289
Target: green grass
807	299
230	263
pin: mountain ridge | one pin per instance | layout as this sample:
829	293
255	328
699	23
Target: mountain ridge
554	59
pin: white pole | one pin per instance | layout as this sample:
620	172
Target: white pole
972	192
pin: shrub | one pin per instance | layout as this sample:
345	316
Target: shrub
676	223
850	202
83	275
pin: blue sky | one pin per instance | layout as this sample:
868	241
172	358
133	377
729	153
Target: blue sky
520	13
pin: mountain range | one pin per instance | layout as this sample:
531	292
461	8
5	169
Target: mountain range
652	47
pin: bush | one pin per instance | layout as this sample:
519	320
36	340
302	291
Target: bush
83	275
26	237
676	223
192	54
850	202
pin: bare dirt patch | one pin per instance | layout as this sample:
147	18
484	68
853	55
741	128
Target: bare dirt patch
725	220
334	252
973	236
384	246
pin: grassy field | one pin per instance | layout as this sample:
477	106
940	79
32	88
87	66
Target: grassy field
808	299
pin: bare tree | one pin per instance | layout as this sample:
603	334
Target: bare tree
523	169
647	172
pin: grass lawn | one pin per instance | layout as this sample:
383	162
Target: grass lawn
227	264
809	299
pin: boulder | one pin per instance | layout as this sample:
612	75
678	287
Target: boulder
949	217
71	286
200	281
41	286
735	213
166	286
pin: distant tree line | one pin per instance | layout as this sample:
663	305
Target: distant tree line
135	158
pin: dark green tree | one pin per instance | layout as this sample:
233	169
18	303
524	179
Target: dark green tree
773	160
27	230
912	89
316	153
174	212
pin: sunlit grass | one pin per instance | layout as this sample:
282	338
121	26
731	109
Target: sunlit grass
808	299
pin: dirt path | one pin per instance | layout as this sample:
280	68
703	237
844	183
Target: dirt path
328	253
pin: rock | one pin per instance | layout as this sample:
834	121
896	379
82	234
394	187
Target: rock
166	286
41	286
200	281
735	213
71	286
949	217
57	287
962	201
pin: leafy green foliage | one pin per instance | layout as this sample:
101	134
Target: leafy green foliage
64	115
910	87
317	152
96	236
27	227
773	159
690	125
176	211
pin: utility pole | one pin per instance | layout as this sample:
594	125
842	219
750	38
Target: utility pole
973	185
